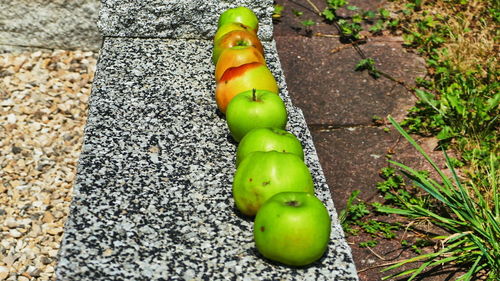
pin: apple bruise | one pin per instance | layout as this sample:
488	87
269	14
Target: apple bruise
233	72
252	206
262	229
245	27
293	203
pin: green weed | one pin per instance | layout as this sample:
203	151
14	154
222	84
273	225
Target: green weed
354	218
369	65
472	221
369	243
352	213
460	98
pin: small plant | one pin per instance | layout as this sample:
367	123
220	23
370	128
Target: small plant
380	229
350	29
332	6
352	213
353	220
297	13
307	24
369	243
369	65
278	10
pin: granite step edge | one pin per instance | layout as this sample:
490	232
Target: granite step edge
174	19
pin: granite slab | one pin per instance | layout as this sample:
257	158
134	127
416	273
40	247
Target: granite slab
152	198
32	25
186	19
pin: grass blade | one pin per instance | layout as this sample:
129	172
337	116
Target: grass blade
419	149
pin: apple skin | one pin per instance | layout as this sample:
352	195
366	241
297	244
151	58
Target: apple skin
236	38
223	30
255	109
237	56
292	228
241	15
268	139
243	78
263	174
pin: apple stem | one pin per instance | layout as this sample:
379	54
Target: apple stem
254	96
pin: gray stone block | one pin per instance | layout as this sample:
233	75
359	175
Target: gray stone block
152	199
56	24
187	19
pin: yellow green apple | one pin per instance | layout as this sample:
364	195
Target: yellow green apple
268	139
241	15
263	174
223	30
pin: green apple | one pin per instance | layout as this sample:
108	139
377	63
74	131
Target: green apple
268	139
241	15
263	174
255	109
292	228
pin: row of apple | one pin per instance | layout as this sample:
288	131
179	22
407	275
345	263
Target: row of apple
271	181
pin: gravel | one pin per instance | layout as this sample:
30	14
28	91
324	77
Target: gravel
43	110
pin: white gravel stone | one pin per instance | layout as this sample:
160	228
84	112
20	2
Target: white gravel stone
4	272
10	222
43	97
15	233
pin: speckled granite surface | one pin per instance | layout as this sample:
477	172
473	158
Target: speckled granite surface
188	19
152	199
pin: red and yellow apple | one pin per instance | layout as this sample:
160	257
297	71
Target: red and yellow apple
243	78
237	56
223	30
236	38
